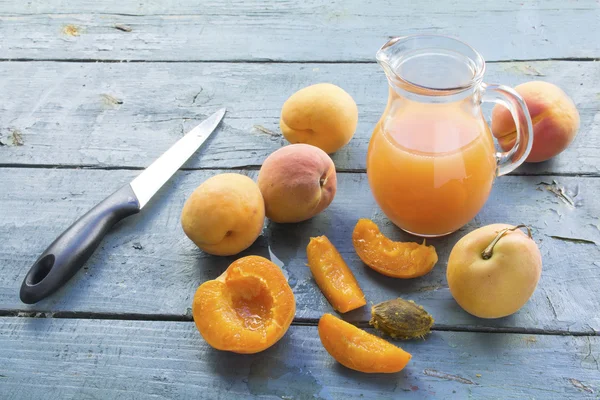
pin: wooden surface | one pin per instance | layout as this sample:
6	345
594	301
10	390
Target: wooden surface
151	246
115	115
289	30
77	121
153	359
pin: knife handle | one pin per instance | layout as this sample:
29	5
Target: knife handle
67	254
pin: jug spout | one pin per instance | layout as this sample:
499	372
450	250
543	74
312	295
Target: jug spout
431	65
385	56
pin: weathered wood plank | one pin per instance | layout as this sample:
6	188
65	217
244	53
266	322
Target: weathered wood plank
58	358
312	30
128	114
148	266
253	7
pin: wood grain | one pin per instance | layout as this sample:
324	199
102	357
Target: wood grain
85	359
61	109
255	8
288	30
126	115
146	265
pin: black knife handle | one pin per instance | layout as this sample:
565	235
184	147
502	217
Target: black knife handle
67	254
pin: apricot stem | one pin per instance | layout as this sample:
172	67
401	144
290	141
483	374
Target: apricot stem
489	251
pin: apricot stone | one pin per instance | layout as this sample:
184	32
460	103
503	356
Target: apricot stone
553	114
224	215
323	115
297	182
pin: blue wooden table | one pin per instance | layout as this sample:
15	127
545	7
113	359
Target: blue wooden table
93	92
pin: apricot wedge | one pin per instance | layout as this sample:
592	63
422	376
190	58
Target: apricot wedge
359	350
247	309
395	259
333	276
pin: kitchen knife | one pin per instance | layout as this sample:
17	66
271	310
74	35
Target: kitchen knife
67	254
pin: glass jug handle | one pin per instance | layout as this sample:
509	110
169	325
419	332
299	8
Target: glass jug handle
509	160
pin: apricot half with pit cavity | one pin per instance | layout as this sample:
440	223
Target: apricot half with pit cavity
247	309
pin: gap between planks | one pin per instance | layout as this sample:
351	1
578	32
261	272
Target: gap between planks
295	322
269	61
256	168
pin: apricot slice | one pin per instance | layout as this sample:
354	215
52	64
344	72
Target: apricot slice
333	276
359	350
247	309
395	259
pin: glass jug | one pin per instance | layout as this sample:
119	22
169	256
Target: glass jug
431	160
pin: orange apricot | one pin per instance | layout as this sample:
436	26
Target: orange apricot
247	309
333	276
395	259
224	215
554	117
359	350
297	182
322	115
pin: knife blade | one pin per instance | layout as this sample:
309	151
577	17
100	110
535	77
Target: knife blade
158	173
69	251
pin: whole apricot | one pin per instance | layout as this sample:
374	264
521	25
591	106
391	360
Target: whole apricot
323	115
554	117
247	309
297	182
493	271
224	215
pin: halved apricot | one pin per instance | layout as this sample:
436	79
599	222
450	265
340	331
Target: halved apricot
247	309
395	259
359	350
333	276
